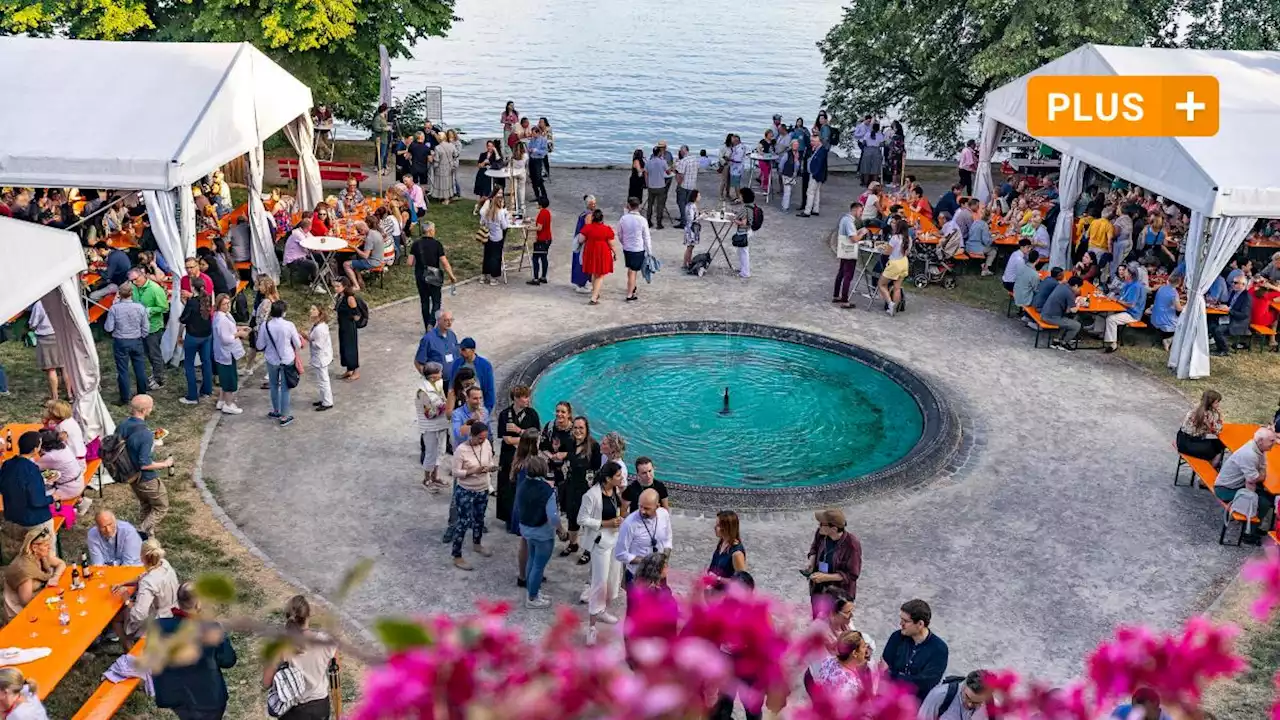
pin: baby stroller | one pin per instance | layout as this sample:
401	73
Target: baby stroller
934	263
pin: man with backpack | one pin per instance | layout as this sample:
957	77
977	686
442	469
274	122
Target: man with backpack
126	455
958	698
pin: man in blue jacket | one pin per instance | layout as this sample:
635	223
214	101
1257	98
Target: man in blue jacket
817	166
196	691
482	367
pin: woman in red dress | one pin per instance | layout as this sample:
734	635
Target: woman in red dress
597	252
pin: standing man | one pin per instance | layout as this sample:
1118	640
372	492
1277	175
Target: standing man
835	562
537	162
113	542
790	163
913	654
482	368
128	324
439	344
655	181
646	531
686	181
633	235
968	165
644	480
151	296
817	167
427	258
195	691
140	441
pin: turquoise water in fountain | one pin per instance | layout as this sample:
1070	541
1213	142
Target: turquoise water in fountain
800	416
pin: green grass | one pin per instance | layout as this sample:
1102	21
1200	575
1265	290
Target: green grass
1248	382
195	541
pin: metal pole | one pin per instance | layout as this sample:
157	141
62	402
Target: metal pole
97	212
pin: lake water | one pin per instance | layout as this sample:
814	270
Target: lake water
612	76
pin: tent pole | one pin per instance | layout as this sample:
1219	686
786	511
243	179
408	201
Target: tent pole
95	213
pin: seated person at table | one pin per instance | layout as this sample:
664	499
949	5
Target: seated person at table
952	241
1165	308
1271	273
1263	312
240	236
156	596
368	256
949	201
55	455
921	205
113	542
18	700
58	416
1219	292
1133	296
1248	463
351	198
1058	307
297	258
1236	322
1087	268
1016	260
34	567
979	240
1198	436
152	265
115	274
1046	287
1026	282
26	504
320	220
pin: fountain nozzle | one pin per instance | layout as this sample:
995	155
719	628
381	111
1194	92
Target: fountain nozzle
725	410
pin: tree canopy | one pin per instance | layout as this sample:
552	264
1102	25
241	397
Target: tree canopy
930	62
331	45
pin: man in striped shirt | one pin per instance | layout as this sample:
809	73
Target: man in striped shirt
129	324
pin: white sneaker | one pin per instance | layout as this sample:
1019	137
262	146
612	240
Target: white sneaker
185	401
592	636
82	507
889	310
537	603
219	406
1031	324
581	289
606	618
231	409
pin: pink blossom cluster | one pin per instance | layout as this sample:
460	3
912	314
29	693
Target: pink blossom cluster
682	652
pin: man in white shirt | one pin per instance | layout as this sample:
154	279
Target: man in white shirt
644	532
686	181
1016	261
633	235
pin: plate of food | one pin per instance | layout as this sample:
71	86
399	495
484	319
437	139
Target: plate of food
161	434
50	475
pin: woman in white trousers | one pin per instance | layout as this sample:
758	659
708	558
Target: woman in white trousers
321	357
599	518
433	423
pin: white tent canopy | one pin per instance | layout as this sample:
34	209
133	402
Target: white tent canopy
163	116
41	263
1231	173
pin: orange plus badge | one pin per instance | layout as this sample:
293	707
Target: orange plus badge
1122	105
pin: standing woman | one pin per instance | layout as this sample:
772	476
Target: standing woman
730	556
321	356
311	662
18	700
539	526
693	230
496	221
895	150
520	171
635	184
767	146
433	423
197	340
483	186
557	439
722	165
578	278
445	171
583	460
513	422
510	117
278	339
515	476
898	247
871	164
267	293
551	146
600	517
227	349
597	252
347	309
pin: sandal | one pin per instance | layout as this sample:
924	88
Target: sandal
585	558
593	302
569	550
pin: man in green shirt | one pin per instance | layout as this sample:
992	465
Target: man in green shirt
153	298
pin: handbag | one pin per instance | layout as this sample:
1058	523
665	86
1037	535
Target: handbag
285	691
433	276
740	240
481	235
291	373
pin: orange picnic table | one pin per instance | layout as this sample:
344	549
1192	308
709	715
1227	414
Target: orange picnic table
1235	435
15	430
37	625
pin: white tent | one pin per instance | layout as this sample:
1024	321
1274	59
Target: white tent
40	263
1227	180
165	115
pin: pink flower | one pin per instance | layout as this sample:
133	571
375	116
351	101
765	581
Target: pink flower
1266	572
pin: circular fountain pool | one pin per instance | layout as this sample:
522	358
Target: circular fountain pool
732	409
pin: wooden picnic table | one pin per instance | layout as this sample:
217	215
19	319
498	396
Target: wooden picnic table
37	625
1235	435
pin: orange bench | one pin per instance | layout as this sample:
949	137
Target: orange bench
1042	326
110	696
1261	331
98	309
1208	476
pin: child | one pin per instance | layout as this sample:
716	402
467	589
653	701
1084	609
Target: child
321	356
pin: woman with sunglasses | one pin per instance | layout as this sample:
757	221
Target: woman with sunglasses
35	567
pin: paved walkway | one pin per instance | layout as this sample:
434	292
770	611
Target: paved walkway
1060	524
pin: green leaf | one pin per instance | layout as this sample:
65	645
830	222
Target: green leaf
273	649
399	634
216	588
355	576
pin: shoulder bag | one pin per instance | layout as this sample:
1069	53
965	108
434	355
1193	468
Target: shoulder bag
291	373
285	691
